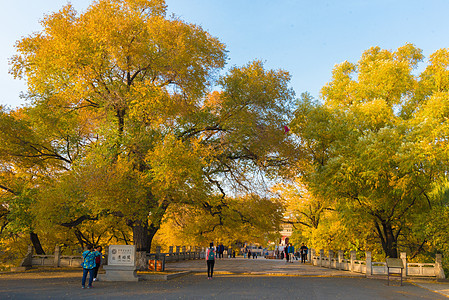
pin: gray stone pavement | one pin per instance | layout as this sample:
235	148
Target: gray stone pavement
233	279
259	266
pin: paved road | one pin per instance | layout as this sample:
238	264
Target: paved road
235	279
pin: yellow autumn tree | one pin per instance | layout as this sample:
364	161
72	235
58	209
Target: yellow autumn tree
361	146
121	92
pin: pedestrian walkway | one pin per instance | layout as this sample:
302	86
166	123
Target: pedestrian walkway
262	266
234	279
259	266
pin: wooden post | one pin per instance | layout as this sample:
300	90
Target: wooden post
369	265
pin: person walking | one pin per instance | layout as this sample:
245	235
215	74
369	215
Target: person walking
291	251
286	253
97	262
304	251
220	251
88	265
210	260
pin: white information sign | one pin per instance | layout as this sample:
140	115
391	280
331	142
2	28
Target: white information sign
122	255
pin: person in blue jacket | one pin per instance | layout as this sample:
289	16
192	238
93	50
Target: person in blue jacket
89	265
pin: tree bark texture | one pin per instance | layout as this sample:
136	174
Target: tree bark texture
36	243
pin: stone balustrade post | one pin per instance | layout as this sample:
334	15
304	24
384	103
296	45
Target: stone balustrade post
321	264
404	262
369	265
312	254
57	257
178	252
439	272
353	257
27	261
170	250
340	259
331	256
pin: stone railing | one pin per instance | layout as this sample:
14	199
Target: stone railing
369	267
184	253
53	260
181	253
58	260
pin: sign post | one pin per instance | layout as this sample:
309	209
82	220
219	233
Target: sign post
121	263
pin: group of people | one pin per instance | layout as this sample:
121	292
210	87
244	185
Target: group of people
289	250
253	253
92	261
289	253
220	251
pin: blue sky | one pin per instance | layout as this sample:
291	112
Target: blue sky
306	38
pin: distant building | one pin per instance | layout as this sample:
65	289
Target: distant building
286	232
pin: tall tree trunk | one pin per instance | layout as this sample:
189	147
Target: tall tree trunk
392	243
36	243
140	236
143	234
151	233
141	241
387	238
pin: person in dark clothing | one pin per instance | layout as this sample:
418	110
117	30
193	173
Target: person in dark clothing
286	253
210	260
97	262
304	251
220	251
